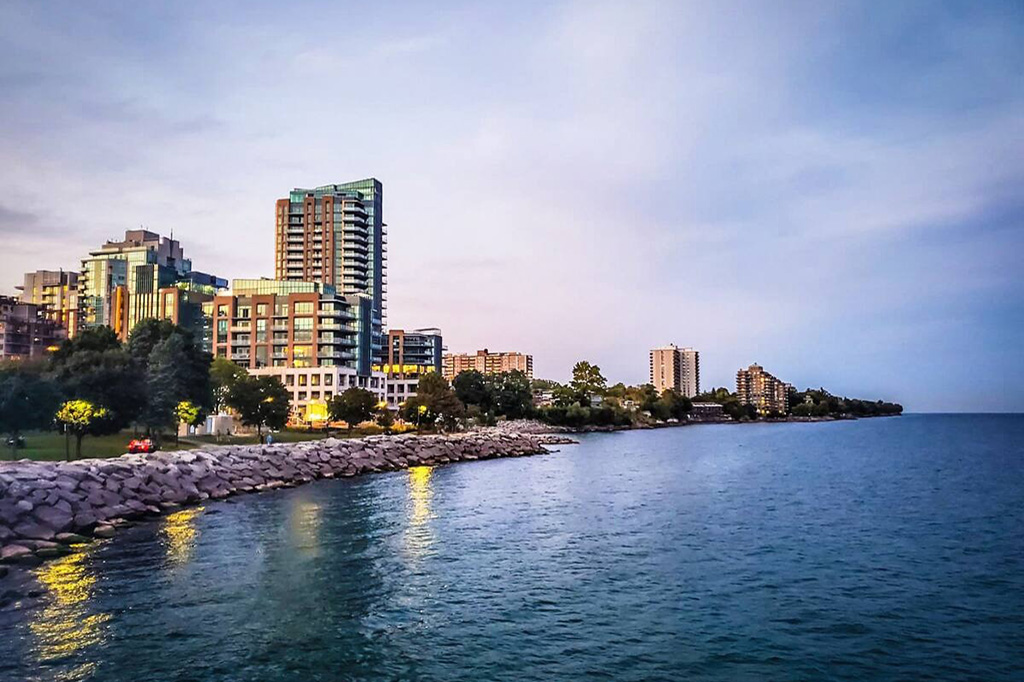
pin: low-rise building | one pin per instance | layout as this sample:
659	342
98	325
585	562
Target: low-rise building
26	333
313	387
486	362
767	394
707	412
56	293
409	355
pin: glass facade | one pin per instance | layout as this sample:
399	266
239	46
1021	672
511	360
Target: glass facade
335	235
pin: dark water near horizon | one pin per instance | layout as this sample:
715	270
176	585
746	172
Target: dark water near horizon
883	549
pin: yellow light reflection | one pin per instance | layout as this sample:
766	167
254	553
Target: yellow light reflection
419	536
65	626
306	519
180	535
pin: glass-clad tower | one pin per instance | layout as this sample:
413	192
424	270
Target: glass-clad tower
336	235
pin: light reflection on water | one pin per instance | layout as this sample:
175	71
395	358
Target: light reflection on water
180	535
419	536
65	626
305	520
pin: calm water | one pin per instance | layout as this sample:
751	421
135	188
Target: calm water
887	549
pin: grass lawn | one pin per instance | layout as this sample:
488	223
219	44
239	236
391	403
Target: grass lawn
47	446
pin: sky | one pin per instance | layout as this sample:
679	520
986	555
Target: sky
832	190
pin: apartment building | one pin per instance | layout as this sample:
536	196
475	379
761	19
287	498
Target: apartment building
26	333
335	235
486	362
410	355
677	369
767	394
315	339
142	276
56	293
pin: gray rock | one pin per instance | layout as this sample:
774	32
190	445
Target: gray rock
33	530
14	552
56	518
25	505
104	531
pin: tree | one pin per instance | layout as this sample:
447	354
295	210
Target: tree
353	407
672	405
27	400
176	369
473	388
188	414
81	417
94	367
587	380
385	419
434	402
167	376
512	395
260	401
223	373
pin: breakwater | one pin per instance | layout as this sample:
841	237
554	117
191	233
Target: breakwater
47	506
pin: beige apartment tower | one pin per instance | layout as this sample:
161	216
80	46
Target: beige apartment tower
677	369
486	362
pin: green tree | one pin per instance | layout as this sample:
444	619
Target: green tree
176	369
94	367
513	397
587	380
27	400
354	406
167	376
223	373
543	385
672	405
472	388
385	419
434	403
81	417
188	414
260	401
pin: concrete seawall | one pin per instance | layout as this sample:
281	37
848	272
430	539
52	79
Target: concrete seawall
47	506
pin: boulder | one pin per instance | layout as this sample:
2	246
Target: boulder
33	530
14	553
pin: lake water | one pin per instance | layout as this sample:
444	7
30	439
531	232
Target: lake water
881	549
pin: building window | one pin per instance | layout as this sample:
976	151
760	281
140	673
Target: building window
314	380
328	380
302	395
302	380
289	379
304	308
261	309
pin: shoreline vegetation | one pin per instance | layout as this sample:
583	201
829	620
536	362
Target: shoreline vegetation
160	381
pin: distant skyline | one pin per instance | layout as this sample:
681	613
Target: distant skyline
832	190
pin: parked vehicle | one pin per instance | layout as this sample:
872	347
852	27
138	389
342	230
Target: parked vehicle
18	442
143	445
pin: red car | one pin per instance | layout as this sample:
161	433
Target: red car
141	445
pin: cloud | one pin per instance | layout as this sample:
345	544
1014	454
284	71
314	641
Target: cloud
16	222
817	187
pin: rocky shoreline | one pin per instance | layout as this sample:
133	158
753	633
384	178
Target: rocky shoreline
48	507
